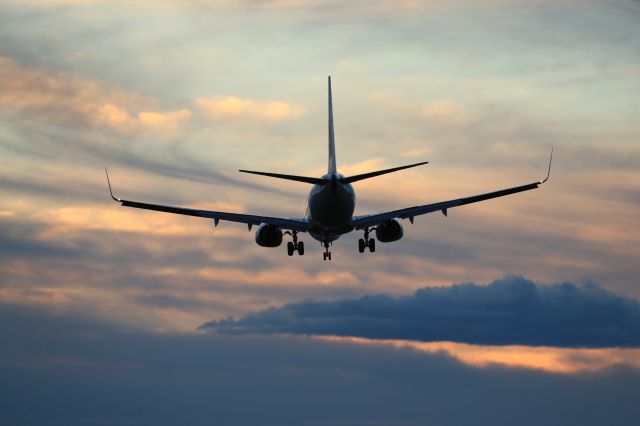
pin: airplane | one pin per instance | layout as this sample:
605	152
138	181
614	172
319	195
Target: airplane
330	206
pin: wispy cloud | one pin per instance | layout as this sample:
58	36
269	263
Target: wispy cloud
545	358
225	107
440	112
160	122
447	113
61	98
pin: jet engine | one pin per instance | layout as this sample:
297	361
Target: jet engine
268	235
388	231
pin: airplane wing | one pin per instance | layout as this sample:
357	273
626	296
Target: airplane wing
289	224
362	222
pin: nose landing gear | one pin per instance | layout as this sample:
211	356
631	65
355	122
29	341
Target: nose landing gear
295	245
327	254
365	242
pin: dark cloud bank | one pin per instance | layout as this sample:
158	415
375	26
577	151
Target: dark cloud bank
512	310
70	370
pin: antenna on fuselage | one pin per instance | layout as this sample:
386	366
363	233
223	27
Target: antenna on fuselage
332	142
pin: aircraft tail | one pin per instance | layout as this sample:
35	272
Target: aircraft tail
332	153
332	142
332	162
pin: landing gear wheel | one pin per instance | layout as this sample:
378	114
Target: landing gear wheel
365	242
294	246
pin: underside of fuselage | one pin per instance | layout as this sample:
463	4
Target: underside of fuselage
330	209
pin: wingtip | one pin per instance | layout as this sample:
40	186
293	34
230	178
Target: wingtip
549	169
109	184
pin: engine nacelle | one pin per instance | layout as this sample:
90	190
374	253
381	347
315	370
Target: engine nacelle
268	235
388	231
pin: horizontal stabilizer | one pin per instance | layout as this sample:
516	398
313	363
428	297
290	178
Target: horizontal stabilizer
356	178
305	179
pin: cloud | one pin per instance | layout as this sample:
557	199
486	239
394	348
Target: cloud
311	9
106	260
118	219
63	99
446	112
159	122
225	107
555	360
443	113
116	375
163	300
512	310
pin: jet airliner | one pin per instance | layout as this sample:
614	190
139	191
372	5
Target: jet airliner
330	206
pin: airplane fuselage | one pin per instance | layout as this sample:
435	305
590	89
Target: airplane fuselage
330	209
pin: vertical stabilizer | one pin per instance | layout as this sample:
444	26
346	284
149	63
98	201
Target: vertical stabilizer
332	143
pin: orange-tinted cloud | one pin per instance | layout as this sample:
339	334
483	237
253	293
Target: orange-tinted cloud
224	107
446	112
159	122
556	360
61	98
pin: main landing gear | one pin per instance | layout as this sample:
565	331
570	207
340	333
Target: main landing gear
327	254
295	245
365	242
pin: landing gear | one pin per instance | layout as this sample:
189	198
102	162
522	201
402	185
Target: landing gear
365	242
327	254
293	246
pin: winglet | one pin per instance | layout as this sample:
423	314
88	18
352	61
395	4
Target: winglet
109	183
549	170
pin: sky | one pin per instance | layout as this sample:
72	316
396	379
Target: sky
523	309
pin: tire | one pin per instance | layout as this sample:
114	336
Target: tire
290	248
361	245
301	248
372	245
